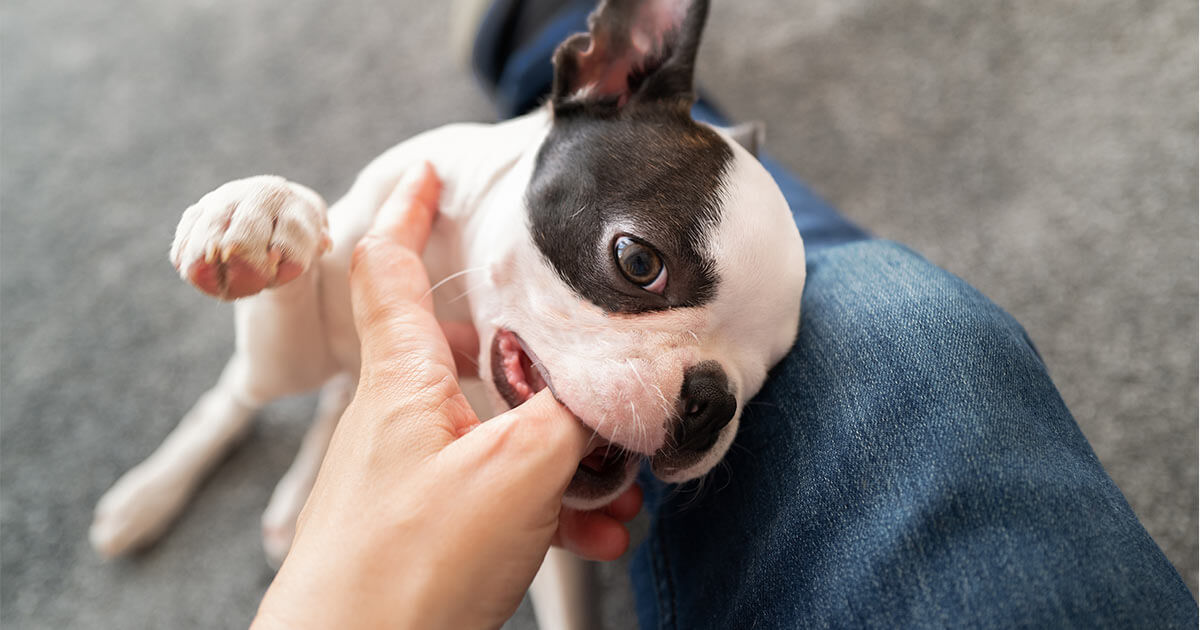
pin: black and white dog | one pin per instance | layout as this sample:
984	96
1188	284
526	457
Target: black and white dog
643	266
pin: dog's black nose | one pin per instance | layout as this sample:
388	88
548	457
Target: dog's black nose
707	406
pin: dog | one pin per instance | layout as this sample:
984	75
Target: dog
643	266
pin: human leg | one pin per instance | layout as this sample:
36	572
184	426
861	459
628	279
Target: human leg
909	464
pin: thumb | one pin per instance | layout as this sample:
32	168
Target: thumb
540	437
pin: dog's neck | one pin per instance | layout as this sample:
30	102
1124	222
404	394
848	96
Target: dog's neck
498	164
481	205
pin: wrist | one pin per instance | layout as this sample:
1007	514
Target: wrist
343	591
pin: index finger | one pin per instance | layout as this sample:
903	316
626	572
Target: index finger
386	264
406	216
389	284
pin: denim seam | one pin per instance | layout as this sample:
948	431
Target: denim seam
666	585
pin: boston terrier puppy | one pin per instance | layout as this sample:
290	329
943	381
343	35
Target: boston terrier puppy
643	266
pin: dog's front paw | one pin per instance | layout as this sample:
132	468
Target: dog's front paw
249	235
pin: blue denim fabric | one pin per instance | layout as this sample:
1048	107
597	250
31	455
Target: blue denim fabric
909	464
518	82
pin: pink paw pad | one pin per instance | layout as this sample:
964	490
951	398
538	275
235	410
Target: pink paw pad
234	277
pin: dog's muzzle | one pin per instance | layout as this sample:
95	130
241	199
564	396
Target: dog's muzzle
704	408
518	375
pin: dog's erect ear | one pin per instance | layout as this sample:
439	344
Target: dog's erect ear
635	51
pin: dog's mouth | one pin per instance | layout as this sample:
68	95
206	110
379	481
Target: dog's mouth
516	371
518	375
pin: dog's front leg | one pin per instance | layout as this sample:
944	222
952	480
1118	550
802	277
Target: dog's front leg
257	236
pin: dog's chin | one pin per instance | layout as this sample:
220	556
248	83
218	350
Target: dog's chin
677	467
594	487
606	471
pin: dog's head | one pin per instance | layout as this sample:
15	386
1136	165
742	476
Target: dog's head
660	274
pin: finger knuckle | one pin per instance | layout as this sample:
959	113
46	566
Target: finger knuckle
375	249
427	386
365	251
442	392
406	260
527	435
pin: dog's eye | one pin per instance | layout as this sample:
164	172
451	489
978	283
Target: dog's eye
640	264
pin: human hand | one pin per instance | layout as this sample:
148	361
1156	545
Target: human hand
421	516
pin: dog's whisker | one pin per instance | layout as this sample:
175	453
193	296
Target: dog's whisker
450	277
474	361
636	374
595	434
665	405
637	423
587	448
464	293
736	446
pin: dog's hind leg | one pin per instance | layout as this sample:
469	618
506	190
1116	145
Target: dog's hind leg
280	351
144	501
279	519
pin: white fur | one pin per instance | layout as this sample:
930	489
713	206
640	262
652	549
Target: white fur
619	373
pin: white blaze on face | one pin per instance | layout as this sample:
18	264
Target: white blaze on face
760	262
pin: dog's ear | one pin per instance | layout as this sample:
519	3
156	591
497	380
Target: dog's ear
635	52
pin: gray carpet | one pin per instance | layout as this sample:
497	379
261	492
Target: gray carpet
1045	151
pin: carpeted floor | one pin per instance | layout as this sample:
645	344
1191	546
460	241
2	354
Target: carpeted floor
1045	151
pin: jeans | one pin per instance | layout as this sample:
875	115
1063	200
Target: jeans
908	464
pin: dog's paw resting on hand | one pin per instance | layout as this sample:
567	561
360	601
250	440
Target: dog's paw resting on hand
248	235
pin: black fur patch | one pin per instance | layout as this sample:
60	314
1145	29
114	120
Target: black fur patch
654	174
